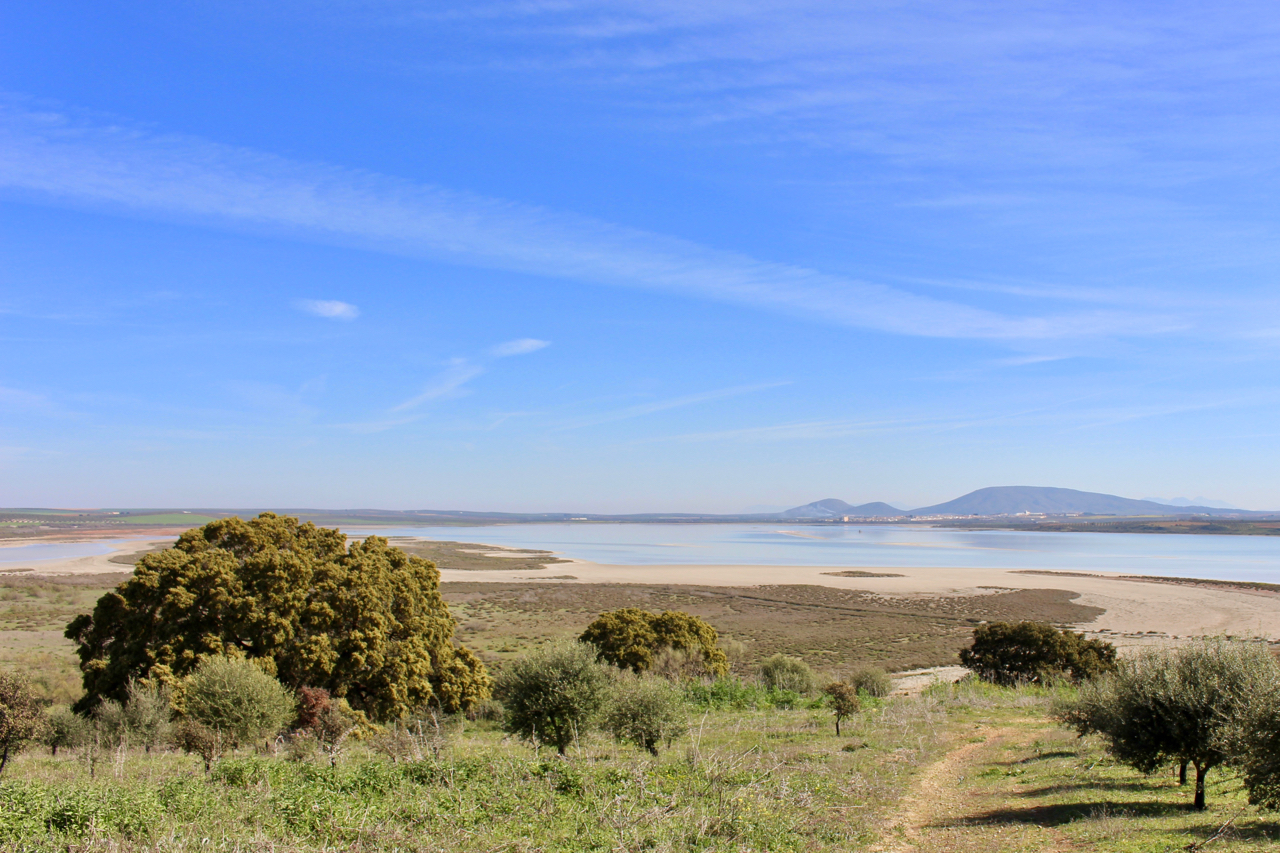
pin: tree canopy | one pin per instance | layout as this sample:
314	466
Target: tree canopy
1175	704
631	638
1012	652
366	621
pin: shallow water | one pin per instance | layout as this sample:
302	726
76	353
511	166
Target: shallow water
37	551
1244	558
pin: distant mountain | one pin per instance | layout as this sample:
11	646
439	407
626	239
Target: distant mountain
1011	500
1193	502
833	508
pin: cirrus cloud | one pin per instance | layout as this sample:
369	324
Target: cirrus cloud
331	308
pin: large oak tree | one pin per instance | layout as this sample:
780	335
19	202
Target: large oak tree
365	621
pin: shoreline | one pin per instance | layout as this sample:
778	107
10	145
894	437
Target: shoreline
1134	606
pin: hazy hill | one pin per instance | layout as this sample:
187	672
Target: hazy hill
1010	500
833	508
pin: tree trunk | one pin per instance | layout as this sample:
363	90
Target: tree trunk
1182	773
4	759
837	727
1201	772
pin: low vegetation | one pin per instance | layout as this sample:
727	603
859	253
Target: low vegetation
651	731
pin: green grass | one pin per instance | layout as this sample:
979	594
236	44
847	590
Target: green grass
743	780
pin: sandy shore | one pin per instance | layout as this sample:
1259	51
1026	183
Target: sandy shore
1132	606
95	564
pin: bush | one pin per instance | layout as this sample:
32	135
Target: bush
646	712
631	639
871	680
148	713
844	701
554	694
1175	705
1010	653
1252	742
19	715
110	724
63	729
237	700
780	672
192	736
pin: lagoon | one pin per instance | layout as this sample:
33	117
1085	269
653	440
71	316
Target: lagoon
1239	558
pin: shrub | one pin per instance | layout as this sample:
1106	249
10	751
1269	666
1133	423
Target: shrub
780	672
327	721
19	715
871	680
646	712
63	729
364	621
110	724
631	638
237	700
1010	653
844	701
554	694
487	710
1174	705
192	736
148	713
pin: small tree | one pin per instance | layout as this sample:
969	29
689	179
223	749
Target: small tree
63	729
1009	653
554	694
1174	705
871	680
19	715
646	712
630	638
330	722
1252	742
111	726
194	737
237	700
147	714
780	672
844	701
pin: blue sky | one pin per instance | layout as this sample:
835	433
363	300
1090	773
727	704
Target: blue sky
570	255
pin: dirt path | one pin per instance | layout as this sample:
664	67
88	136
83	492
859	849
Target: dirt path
933	817
935	794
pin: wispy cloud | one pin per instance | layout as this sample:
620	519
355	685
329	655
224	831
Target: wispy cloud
518	347
331	308
642	409
50	156
448	383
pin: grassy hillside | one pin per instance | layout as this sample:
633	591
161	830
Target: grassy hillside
959	768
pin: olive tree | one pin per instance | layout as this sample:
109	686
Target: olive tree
1252	741
62	729
631	638
554	694
364	621
1174	704
646	712
19	715
236	699
1009	653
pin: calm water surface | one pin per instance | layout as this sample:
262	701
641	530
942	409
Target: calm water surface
1247	558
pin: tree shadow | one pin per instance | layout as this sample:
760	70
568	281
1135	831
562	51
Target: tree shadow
1045	756
1093	785
1258	830
1064	813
